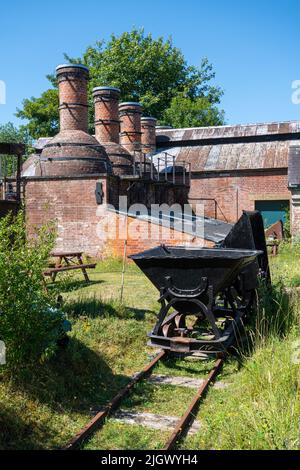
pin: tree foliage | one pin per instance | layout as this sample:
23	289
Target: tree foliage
152	71
11	134
41	113
189	112
30	323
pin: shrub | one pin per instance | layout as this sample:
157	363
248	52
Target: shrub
30	323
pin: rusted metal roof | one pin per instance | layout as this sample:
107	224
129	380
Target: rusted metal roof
222	148
236	131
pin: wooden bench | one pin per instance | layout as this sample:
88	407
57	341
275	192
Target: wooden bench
68	261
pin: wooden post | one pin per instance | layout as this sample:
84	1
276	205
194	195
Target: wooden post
18	177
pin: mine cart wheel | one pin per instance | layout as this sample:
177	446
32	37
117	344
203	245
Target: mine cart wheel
243	299
168	330
180	321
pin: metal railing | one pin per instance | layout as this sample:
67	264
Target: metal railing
167	168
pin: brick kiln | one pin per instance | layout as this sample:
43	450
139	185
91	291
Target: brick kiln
75	175
73	151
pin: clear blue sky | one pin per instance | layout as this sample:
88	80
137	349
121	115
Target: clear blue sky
253	45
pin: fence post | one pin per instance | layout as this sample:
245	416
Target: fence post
166	164
174	171
151	169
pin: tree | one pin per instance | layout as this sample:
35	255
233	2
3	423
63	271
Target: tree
152	71
192	112
9	134
42	114
30	323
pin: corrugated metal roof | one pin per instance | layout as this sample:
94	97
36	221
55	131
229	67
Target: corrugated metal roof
239	130
241	147
255	155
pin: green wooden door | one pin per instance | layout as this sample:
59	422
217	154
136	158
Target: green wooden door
272	211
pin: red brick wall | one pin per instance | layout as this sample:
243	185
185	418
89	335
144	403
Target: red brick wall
143	235
72	205
236	192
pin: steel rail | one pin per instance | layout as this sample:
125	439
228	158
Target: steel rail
184	422
189	415
100	417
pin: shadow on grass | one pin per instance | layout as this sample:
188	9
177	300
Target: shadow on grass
76	379
93	307
17	434
71	285
74	383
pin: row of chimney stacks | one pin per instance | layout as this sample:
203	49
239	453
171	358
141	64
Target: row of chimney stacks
122	123
119	123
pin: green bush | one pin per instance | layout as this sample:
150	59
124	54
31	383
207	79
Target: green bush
30	323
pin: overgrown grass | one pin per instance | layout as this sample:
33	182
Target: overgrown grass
285	267
107	345
259	409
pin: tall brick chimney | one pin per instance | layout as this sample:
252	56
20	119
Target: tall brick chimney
107	129
73	151
148	135
130	136
73	107
107	123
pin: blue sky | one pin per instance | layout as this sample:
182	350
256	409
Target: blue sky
253	45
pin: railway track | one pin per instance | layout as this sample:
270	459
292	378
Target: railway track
183	423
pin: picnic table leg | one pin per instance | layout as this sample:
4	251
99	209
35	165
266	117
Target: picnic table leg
86	277
45	285
57	265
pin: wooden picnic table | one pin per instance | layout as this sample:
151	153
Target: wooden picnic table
66	261
274	244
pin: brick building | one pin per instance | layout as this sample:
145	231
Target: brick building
77	179
237	167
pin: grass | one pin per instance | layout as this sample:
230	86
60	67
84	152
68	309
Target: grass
285	267
260	408
119	436
107	345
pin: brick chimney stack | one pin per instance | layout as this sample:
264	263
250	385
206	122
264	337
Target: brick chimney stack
107	123
73	151
130	137
148	134
107	128
73	107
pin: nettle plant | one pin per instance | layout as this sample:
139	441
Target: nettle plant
30	322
